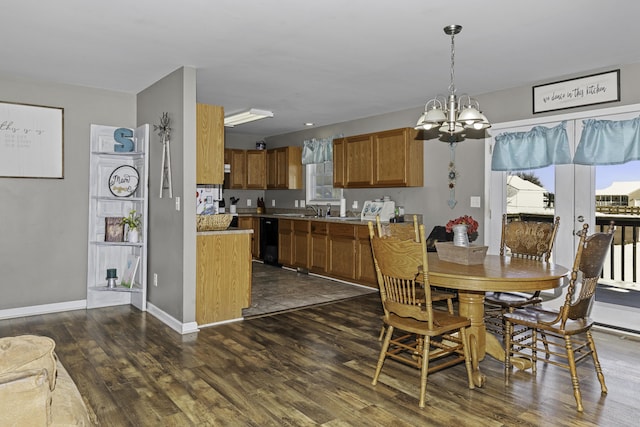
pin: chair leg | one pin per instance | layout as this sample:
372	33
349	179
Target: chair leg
383	354
467	356
381	333
596	362
574	373
507	350
450	305
424	370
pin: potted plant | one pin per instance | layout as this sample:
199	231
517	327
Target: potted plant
133	222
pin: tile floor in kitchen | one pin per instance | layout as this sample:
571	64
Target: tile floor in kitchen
277	290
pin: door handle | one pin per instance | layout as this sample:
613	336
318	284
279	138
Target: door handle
580	218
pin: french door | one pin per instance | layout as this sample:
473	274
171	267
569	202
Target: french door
568	191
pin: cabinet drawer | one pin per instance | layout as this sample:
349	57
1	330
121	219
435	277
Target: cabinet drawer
301	225
362	232
342	230
319	227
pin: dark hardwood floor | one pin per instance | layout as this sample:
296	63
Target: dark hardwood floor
310	367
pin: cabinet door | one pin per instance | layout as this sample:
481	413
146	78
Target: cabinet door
256	169
339	164
365	269
390	157
342	251
282	168
210	144
248	223
272	169
300	243
318	247
285	242
237	160
359	161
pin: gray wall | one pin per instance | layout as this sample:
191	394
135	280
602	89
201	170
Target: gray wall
43	222
431	200
171	231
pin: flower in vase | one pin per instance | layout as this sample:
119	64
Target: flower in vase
472	226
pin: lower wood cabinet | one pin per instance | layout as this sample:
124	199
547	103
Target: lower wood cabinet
334	249
252	223
318	247
300	242
285	242
365	269
342	251
223	276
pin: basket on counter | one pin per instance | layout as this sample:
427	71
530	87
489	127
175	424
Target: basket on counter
216	222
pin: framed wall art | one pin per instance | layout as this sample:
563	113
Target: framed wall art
588	90
31	141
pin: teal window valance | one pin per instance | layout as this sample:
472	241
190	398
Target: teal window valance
607	142
536	148
317	151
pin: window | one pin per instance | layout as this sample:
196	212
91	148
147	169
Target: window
320	184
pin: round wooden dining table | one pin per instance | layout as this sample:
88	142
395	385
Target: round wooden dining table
497	273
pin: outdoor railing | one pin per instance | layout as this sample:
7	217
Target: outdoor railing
623	262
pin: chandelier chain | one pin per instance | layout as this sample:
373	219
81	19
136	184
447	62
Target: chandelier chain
452	87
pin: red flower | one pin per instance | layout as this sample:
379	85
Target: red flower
472	224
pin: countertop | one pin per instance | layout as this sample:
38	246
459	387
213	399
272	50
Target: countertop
230	230
297	216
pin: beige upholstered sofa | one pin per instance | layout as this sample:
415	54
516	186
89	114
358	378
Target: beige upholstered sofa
35	389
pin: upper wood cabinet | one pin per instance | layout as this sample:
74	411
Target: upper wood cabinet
210	144
392	158
237	160
256	169
284	168
248	169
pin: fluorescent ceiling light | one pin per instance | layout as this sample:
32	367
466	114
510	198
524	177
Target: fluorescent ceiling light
246	117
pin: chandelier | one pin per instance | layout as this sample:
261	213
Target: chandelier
452	114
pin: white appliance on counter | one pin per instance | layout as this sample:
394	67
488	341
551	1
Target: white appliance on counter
371	208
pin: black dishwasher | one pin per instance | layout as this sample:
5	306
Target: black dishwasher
269	241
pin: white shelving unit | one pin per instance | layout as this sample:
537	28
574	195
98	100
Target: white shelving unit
104	202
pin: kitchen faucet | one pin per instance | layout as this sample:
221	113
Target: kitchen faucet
316	210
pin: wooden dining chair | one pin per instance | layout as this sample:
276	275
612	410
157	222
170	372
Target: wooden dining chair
411	231
522	239
563	328
401	269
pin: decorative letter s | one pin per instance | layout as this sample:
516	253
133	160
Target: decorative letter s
124	143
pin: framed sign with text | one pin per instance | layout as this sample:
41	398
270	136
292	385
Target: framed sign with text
578	92
31	141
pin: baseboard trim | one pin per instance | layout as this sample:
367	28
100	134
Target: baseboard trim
12	313
172	322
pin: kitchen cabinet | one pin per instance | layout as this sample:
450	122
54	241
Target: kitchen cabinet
392	158
358	155
318	247
300	242
209	144
284	168
252	223
365	269
248	169
238	175
256	169
223	276
118	184
285	242
339	164
342	251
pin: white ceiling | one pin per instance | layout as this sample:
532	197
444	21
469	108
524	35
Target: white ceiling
324	61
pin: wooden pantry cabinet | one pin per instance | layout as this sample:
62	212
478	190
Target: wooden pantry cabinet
209	144
392	158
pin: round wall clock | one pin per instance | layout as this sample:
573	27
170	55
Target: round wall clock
123	181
